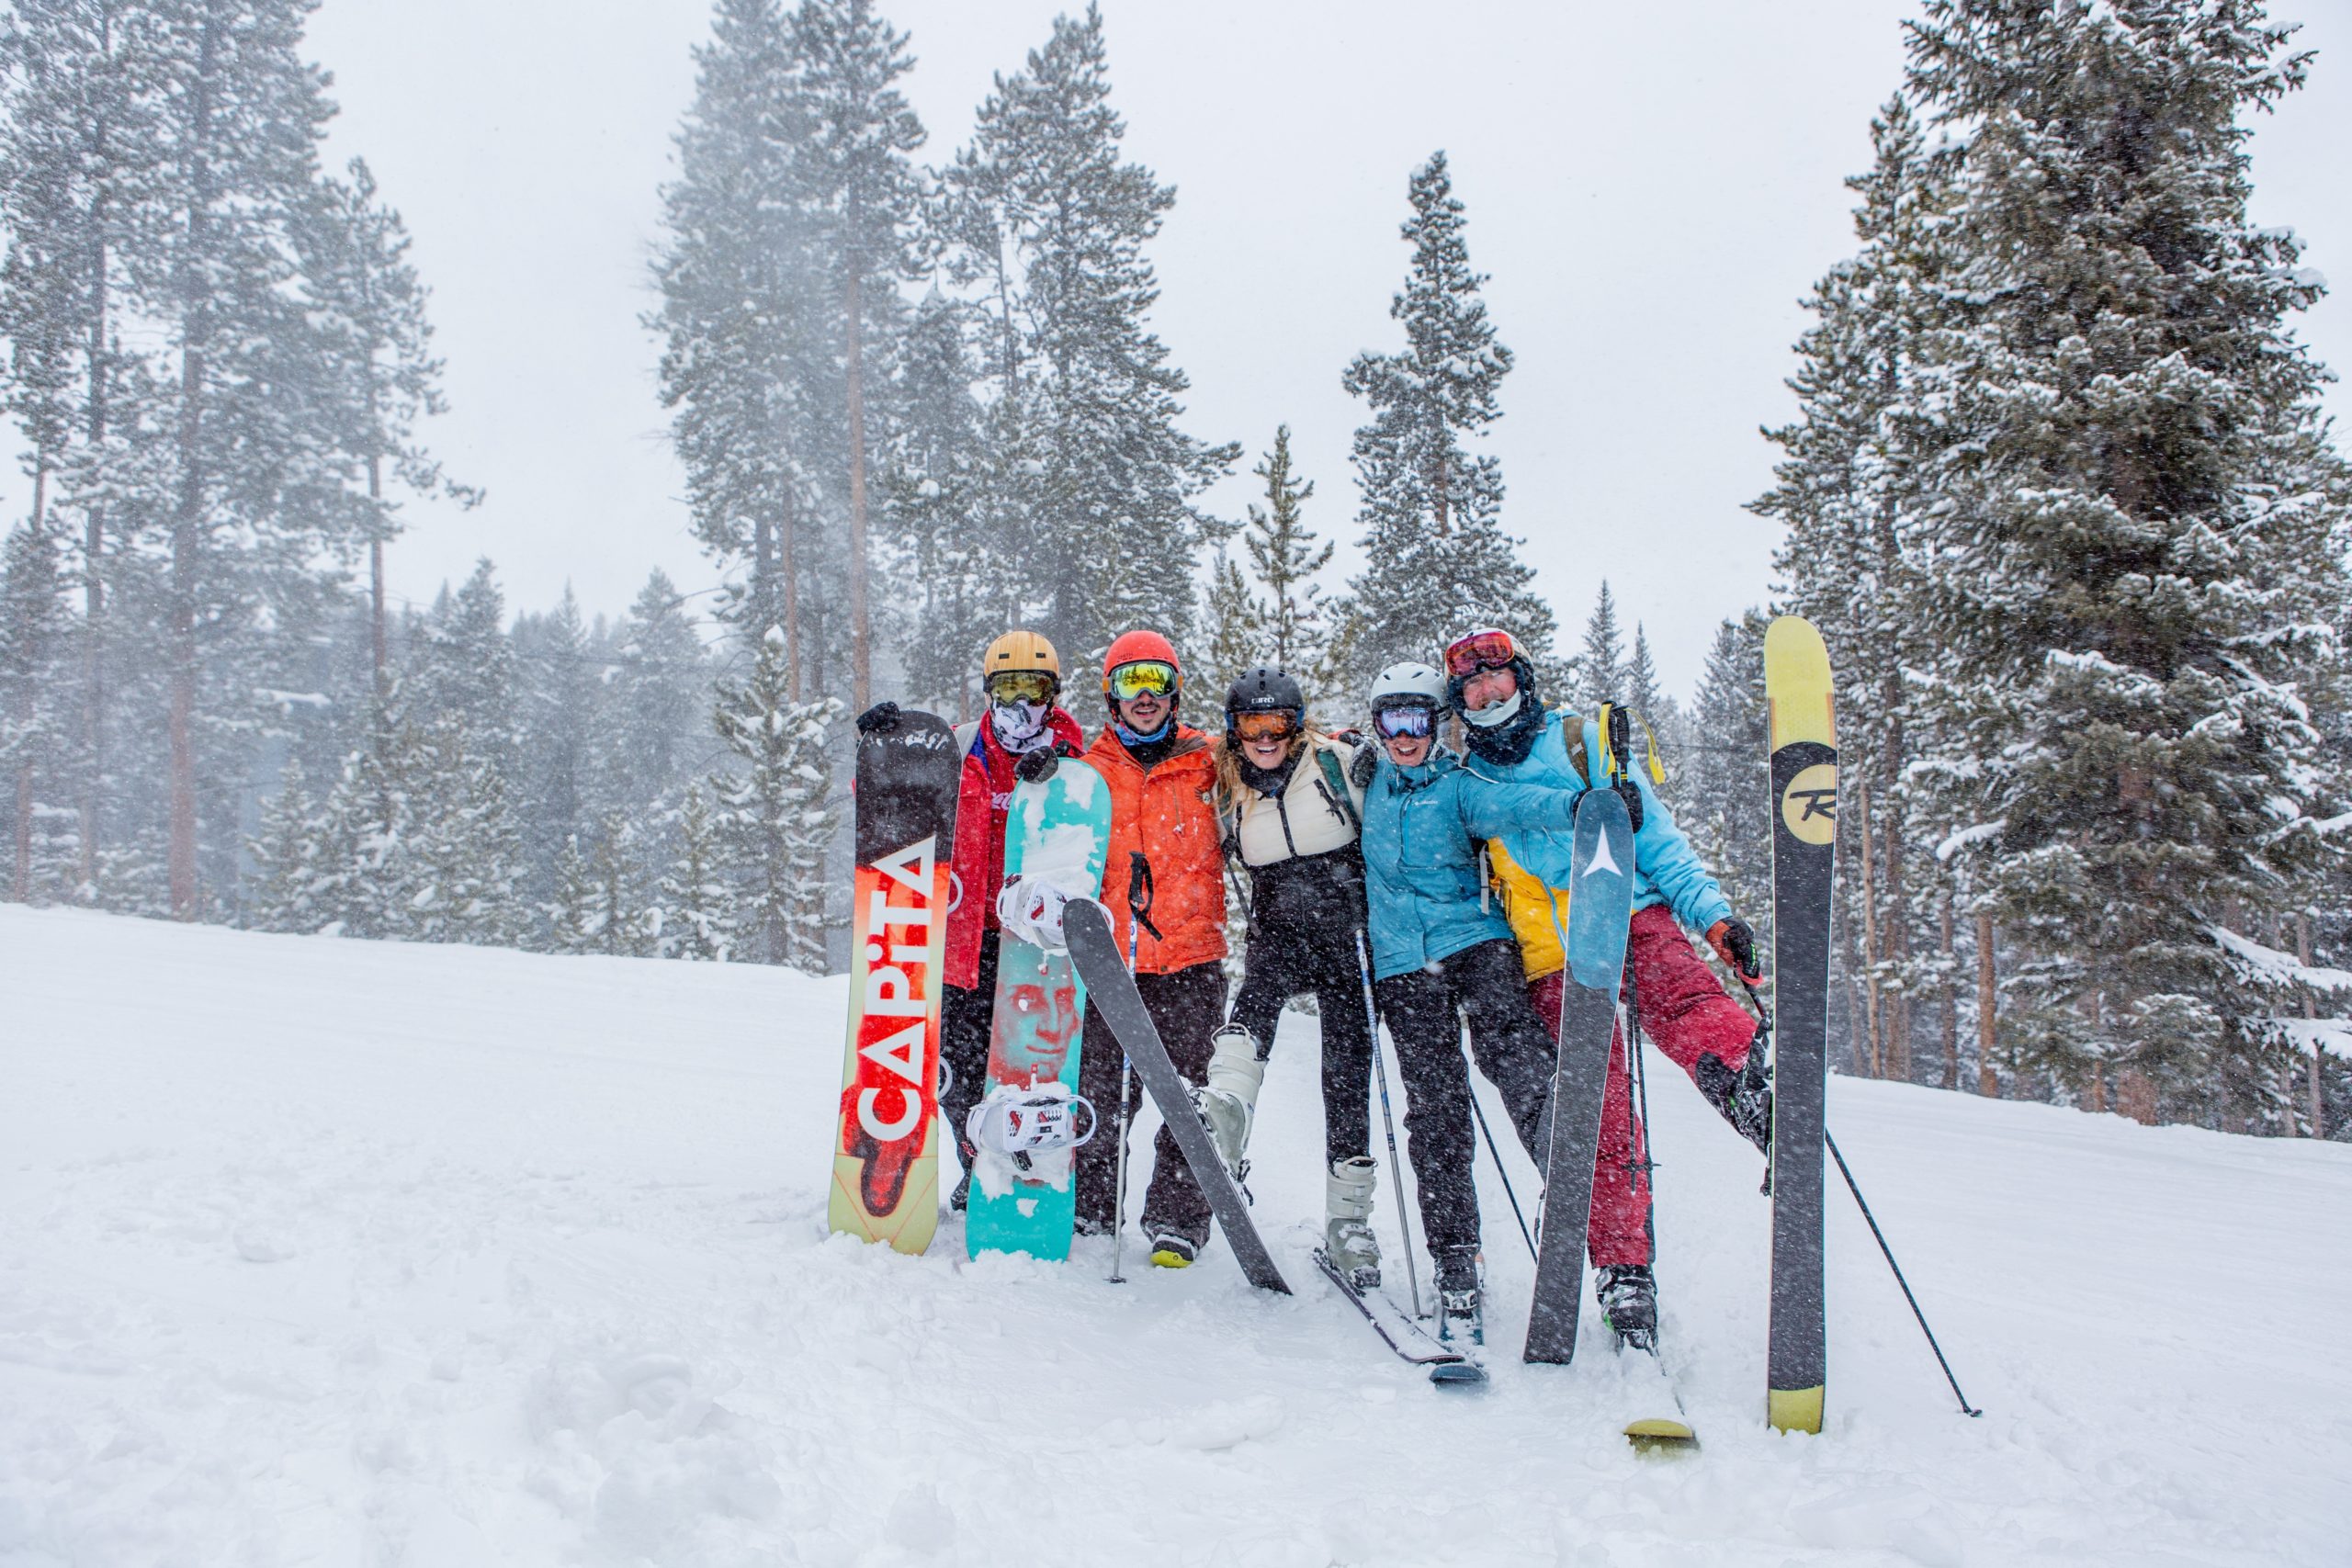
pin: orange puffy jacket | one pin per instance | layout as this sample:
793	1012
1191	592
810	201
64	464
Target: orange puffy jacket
1167	813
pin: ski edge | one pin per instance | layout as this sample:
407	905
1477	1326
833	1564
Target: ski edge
1447	1369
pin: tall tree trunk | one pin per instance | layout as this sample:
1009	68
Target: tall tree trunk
1951	999
184	526
1870	938
860	643
21	882
2310	1011
376	562
1988	1082
787	530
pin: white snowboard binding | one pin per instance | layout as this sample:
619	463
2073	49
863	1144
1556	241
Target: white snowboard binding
1228	1100
1016	1124
1030	909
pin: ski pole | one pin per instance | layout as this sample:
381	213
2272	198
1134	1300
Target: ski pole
1497	1156
1380	1068
1966	1408
1138	916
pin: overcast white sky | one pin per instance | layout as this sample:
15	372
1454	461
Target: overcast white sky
1652	188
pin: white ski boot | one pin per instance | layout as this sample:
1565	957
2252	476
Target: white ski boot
1228	1100
1347	1240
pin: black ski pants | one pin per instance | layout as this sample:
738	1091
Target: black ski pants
1485	986
966	1018
1186	1005
1284	961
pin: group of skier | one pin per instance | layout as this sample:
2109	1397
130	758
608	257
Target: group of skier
1381	868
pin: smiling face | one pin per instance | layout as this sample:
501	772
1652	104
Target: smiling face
1145	711
1489	687
1407	750
1266	752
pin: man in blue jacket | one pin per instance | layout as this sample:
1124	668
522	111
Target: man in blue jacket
1513	739
1441	955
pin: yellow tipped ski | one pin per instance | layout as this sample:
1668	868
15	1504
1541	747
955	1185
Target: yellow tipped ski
1796	1409
1658	1435
1800	700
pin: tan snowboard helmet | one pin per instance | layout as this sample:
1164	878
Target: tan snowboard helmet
1019	651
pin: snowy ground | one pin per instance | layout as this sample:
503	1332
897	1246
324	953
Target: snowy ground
341	1253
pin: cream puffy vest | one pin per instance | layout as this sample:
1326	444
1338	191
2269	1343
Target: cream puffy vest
1307	818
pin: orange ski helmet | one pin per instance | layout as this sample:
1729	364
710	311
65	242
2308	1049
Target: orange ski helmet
1140	647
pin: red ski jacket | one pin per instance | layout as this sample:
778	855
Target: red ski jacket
983	801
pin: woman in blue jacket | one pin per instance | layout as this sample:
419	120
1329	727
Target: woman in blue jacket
1440	953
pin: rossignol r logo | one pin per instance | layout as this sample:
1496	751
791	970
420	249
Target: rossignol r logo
1809	805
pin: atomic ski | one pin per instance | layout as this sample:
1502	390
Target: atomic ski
1026	1200
1447	1368
885	1149
1601	904
1087	925
1804	738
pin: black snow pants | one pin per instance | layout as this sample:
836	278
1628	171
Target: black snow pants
1186	1005
1286	957
1486	986
966	1018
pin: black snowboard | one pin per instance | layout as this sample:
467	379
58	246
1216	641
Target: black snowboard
1086	926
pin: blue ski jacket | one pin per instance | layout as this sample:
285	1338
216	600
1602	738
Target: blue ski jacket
1667	869
1422	828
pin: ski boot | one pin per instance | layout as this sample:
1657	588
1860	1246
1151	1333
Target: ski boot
1743	1098
1347	1240
1628	1297
1460	1299
1171	1249
1228	1100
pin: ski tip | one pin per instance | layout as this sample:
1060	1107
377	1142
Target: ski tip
1465	1376
1659	1435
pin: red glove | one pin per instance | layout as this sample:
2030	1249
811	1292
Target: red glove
1735	943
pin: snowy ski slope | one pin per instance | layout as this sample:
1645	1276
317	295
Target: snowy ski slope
325	1252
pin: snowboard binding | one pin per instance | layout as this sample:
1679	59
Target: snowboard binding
1015	1123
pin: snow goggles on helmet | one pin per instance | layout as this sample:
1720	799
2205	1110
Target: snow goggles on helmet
1022	686
1404	719
1480	650
1130	682
1279	724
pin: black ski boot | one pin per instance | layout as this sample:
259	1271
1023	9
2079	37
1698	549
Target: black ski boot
1628	1296
1745	1098
1460	1300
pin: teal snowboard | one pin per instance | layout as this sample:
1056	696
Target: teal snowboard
1059	830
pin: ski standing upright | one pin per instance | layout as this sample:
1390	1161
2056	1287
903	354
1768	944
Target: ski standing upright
885	1149
1600	906
1804	738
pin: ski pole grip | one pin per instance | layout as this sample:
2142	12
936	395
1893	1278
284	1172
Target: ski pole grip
1139	892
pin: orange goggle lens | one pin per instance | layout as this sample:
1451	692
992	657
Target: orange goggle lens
1021	686
1279	725
1130	682
1480	650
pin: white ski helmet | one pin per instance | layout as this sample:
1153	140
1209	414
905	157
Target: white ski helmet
1411	684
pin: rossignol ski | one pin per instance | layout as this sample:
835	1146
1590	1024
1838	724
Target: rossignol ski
1026	1199
886	1147
1804	739
1087	927
1600	905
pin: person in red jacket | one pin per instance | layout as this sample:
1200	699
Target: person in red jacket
1021	675
1166	854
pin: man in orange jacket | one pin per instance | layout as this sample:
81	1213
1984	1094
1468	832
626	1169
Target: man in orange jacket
1165	859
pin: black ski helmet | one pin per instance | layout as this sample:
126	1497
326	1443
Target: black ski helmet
1264	690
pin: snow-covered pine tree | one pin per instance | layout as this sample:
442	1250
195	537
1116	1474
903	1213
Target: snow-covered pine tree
560	699
35	727
371	825
934	487
1598	666
697	905
1437	561
1725	791
622	923
468	855
571	913
462	669
284	895
656	706
1661	717
1232	626
1285	559
2133	604
1093	463
776	815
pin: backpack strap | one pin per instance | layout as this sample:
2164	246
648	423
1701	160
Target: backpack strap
1334	777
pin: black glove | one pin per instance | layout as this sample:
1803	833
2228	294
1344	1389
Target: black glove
1744	1097
1348	736
1359	767
879	719
1633	797
1036	767
1735	943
